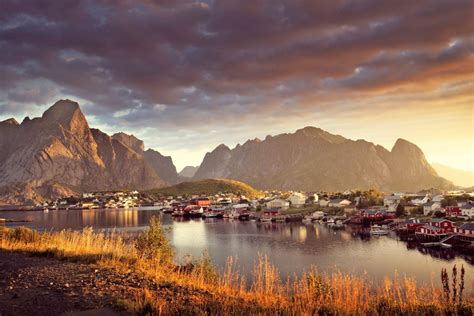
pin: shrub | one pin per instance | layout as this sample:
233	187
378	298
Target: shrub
23	234
154	243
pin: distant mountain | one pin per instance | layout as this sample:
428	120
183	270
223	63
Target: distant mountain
459	177
188	171
313	159
58	154
208	187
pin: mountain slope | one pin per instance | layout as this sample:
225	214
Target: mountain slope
188	171
58	152
313	159
459	177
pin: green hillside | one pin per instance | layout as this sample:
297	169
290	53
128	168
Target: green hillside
208	187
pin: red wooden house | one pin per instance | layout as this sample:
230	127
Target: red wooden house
453	211
436	227
373	214
202	201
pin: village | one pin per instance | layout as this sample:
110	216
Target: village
440	220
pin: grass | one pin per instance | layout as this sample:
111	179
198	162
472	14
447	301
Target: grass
208	187
199	289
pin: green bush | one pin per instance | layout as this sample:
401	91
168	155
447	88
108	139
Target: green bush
154	244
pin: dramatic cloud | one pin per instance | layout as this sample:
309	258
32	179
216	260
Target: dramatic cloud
174	72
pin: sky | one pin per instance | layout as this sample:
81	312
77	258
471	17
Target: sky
186	76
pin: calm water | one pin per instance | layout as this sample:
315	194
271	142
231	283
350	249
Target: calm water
293	248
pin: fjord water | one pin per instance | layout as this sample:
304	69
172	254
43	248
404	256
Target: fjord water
291	247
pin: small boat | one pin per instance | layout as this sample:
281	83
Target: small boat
330	221
46	210
280	219
338	224
244	217
209	215
378	231
265	219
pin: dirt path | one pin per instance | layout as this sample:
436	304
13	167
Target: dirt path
43	286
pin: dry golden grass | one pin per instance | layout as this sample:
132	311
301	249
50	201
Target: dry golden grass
228	292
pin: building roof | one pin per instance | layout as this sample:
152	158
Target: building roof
339	200
439	220
392	197
415	221
467	206
468	226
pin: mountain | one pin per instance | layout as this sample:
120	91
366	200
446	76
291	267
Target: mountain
188	171
208	187
313	159
59	154
463	178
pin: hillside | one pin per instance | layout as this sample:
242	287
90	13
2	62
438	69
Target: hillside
208	187
312	159
463	178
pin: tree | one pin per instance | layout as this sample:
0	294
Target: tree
400	210
439	214
154	243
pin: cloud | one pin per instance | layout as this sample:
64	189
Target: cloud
188	64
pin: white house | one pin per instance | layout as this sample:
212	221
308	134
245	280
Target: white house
324	202
467	209
389	200
431	207
278	204
420	200
339	203
297	199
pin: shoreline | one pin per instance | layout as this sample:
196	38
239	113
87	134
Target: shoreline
54	273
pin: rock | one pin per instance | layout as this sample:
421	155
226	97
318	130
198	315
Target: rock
312	159
58	154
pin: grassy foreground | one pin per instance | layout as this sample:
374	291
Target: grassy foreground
209	292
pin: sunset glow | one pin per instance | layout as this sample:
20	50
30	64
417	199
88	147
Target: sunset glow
186	76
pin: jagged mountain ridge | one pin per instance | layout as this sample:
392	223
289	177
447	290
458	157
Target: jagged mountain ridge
313	159
60	150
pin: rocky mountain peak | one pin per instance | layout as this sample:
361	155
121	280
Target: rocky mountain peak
68	114
221	148
316	132
130	141
10	121
405	147
313	159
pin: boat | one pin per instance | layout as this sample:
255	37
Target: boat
338	224
211	214
378	230
265	219
231	214
46	210
280	219
330	221
244	217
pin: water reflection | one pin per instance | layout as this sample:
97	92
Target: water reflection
293	248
